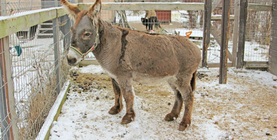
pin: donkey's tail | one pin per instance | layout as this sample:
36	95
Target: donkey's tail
193	81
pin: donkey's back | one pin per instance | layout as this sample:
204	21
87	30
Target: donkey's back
161	55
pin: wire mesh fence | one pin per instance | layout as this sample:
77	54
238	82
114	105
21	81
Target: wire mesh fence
258	33
36	65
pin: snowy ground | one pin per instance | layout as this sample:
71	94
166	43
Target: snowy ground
244	108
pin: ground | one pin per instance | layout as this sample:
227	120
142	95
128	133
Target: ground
244	108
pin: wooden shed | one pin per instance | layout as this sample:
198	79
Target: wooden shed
163	16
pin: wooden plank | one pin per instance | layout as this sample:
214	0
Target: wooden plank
216	65
242	28
13	24
5	109
273	42
259	7
235	33
145	6
219	17
206	32
7	72
224	42
256	65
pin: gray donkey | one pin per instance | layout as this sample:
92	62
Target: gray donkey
129	56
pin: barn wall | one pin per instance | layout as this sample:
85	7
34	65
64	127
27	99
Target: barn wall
273	43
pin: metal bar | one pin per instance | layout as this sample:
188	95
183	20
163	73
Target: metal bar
206	33
56	52
242	27
224	42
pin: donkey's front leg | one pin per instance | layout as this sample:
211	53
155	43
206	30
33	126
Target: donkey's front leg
118	99
125	85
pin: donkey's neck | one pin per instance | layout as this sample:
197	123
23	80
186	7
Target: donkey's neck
109	50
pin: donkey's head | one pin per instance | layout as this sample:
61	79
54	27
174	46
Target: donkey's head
85	37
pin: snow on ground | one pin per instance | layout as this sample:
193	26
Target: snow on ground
244	108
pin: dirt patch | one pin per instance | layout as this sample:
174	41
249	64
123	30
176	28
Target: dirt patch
245	108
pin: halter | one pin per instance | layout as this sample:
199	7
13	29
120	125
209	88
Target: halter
90	50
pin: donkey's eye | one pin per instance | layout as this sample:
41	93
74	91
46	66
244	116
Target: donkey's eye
87	34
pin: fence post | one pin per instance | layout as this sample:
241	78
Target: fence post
7	73
5	131
224	41
206	33
56	52
236	32
242	27
273	42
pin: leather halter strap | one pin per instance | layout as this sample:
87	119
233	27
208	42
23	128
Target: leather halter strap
90	50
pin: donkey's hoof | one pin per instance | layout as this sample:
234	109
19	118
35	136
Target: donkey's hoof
114	110
127	119
183	126
170	117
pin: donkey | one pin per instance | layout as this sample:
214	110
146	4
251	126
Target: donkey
128	56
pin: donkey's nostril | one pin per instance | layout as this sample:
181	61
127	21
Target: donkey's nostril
71	61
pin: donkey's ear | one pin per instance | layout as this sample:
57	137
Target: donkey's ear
73	10
94	11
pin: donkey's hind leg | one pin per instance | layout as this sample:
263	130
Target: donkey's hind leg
177	105
118	99
185	86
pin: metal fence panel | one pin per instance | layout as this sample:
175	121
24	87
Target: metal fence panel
34	75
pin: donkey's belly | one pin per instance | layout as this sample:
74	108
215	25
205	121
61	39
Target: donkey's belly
149	80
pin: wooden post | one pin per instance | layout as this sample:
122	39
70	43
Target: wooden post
224	41
5	121
7	71
206	33
273	42
236	32
242	27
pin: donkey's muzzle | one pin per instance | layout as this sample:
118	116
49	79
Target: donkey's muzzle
71	61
